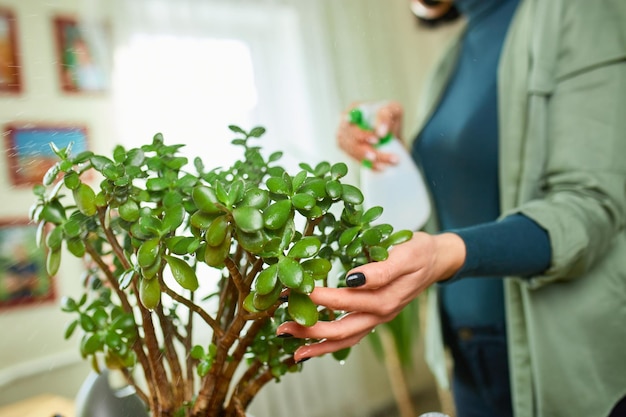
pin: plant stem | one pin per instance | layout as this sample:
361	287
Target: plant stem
187	343
252	389
155	359
193	307
138	344
172	356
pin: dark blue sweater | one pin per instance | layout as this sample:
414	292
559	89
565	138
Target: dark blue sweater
458	150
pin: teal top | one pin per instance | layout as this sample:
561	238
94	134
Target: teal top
458	150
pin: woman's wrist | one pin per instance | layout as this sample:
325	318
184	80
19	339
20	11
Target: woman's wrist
451	252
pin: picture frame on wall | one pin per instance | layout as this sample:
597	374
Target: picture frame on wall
10	70
82	56
29	151
23	276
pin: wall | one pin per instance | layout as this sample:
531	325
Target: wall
34	357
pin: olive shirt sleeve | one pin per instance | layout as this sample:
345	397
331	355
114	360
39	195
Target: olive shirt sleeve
583	204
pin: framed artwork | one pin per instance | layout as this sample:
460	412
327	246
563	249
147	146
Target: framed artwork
10	81
23	276
29	152
82	60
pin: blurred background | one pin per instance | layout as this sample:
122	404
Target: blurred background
107	72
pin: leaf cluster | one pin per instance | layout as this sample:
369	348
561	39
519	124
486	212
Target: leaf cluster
274	236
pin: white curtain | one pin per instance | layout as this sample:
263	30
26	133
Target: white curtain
310	59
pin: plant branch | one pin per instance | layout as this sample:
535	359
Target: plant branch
137	345
131	380
187	343
115	245
172	356
192	307
155	358
253	388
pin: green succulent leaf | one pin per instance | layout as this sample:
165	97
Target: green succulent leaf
267	280
371	237
305	247
351	194
276	215
202	220
173	217
71	180
256	197
303	201
348	235
85	199
248	219
148	252
76	246
69	330
54	238
308	284
262	302
90	344
215	255
317	267
334	189
371	214
183	273
397	238
257	132
216	232
290	272
378	253
302	310
322	169
278	185
150	293
205	199
316	187
53	212
53	262
339	170
341	354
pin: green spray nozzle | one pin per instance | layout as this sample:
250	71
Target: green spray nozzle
356	118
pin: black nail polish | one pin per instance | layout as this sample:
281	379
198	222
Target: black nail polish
284	335
283	298
302	360
355	280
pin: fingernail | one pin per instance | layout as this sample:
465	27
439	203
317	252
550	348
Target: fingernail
369	156
394	159
283	298
284	335
355	280
302	360
382	130
373	139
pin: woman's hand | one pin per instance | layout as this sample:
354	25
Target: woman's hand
359	143
378	291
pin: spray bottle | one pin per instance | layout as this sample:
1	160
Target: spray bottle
399	188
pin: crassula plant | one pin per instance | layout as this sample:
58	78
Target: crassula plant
228	253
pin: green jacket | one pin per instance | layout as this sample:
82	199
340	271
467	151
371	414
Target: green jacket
562	114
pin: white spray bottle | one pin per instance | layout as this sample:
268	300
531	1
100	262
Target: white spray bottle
399	188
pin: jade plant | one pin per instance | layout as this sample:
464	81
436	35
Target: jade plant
170	251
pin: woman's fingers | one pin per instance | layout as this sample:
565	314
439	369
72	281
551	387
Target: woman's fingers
327	346
346	327
389	119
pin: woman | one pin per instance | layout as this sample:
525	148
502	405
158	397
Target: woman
523	147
